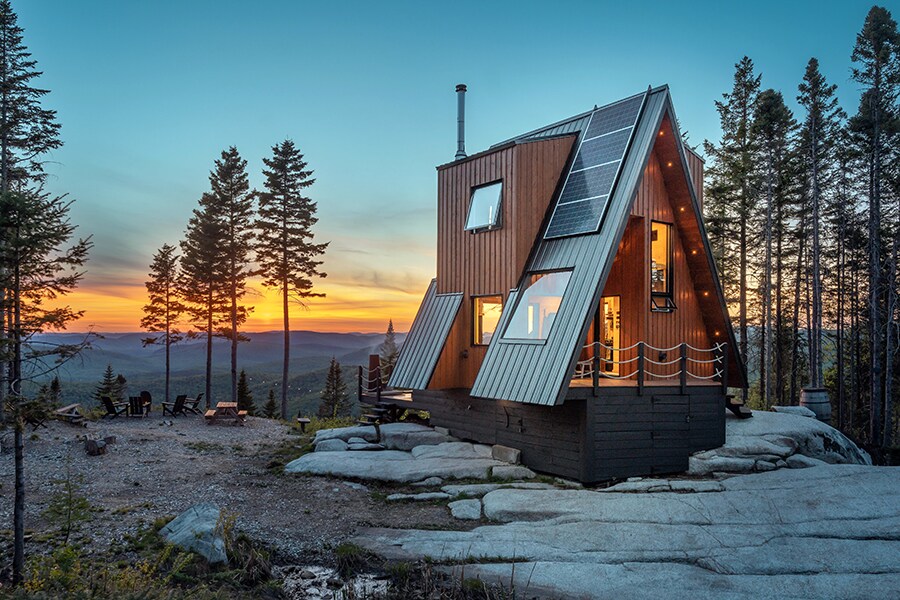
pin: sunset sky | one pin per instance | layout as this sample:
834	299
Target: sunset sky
149	93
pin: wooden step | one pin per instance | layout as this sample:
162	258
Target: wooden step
739	410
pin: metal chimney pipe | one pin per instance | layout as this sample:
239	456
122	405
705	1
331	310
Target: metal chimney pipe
460	121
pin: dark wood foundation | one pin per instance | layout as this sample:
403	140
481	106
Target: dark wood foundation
620	433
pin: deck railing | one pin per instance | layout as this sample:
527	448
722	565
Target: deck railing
645	368
369	382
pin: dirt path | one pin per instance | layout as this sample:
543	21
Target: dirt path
161	467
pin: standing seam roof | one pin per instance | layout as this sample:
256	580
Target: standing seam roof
423	344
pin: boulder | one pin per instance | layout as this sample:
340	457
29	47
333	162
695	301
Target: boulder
798	461
363	446
331	445
721	464
197	529
429	482
483	450
812	437
366	433
476	490
467	510
95	447
800	411
406	436
357	440
509	455
446	450
424	496
390	465
512	472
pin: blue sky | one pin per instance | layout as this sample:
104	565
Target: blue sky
149	93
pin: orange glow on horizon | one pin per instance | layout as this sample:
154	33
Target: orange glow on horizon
346	308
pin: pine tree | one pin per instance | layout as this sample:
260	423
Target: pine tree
164	308
244	395
285	249
270	409
231	203
731	197
203	279
875	126
388	353
335	400
820	131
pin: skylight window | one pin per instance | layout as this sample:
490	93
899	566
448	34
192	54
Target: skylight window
537	306
484	210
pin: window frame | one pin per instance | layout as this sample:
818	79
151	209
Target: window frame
520	296
474	329
499	218
668	304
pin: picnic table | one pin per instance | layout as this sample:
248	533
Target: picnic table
225	411
69	414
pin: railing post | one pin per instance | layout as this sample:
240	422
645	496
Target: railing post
640	368
683	368
359	385
596	349
378	383
723	348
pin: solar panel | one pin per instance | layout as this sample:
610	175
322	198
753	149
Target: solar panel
590	181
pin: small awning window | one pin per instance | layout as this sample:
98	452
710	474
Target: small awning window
537	306
484	209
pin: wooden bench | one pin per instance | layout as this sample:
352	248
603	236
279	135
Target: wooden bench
69	414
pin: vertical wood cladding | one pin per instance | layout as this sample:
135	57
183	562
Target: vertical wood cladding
695	166
489	262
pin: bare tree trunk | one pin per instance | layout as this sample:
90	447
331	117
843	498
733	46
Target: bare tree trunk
815	338
779	320
841	392
795	338
19	442
209	349
889	348
287	347
766	346
874	228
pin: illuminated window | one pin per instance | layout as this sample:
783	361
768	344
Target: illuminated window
484	209
537	306
486	313
661	259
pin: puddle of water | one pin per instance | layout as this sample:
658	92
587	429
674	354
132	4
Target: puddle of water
312	581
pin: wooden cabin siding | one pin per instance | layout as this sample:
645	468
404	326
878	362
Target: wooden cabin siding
489	262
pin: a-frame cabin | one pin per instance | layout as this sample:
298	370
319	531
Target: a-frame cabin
577	314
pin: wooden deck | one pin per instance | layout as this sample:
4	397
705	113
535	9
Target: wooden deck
606	382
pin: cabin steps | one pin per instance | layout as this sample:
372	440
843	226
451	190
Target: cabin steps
737	407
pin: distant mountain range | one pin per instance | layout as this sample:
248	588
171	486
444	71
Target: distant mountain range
260	356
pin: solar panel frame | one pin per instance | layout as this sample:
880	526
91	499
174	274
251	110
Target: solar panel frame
566	224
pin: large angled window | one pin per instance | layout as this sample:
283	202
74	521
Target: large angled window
537	306
484	209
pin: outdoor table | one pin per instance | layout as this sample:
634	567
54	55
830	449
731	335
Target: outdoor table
226	411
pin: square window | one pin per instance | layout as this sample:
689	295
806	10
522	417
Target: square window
485	206
486	315
538	305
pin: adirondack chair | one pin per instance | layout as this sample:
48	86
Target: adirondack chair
148	400
192	405
175	408
137	407
113	409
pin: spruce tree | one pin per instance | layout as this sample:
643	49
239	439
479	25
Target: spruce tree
731	196
231	202
55	392
203	284
388	353
286	252
818	135
164	309
875	127
244	395
772	129
270	409
106	386
335	400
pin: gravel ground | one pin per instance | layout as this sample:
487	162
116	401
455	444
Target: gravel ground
161	467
